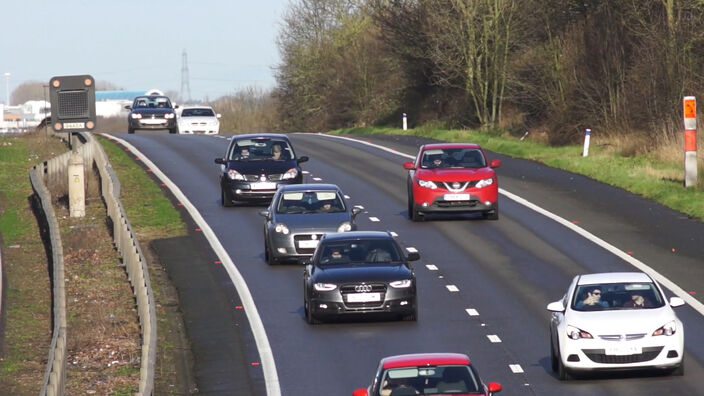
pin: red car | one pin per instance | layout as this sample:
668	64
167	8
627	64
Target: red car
452	177
427	374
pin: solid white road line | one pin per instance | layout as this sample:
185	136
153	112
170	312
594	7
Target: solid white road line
678	291
271	378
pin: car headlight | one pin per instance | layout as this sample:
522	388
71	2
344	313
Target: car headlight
401	284
234	175
290	174
575	333
325	287
136	116
427	184
345	226
668	329
169	115
484	183
281	228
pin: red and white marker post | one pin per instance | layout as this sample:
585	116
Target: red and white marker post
689	105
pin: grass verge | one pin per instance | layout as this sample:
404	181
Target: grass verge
647	175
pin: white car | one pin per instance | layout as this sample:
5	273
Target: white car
198	119
615	321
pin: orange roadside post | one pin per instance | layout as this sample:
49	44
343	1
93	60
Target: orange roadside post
689	110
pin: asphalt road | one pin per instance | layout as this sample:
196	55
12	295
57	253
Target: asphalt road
505	271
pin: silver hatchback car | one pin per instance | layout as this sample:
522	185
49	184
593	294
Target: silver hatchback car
299	215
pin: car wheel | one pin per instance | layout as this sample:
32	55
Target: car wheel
562	373
225	199
413	214
413	317
553	357
130	130
173	130
270	259
679	370
309	315
492	214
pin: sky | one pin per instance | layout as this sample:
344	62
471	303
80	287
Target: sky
230	44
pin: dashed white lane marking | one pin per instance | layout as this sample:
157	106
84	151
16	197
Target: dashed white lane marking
374	219
317	179
452	288
431	267
472	312
393	234
347	196
515	368
359	206
306	172
412	249
493	338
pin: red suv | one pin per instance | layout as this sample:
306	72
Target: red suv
452	177
427	374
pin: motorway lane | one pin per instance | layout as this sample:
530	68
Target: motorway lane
506	270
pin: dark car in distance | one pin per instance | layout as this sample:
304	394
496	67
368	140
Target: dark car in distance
299	215
359	273
151	112
255	165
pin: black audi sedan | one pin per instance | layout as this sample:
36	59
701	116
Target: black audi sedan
359	272
151	112
255	165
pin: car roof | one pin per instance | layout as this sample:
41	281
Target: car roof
337	236
424	359
450	145
196	107
613	277
309	187
260	135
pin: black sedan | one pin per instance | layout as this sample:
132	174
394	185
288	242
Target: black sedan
299	215
151	112
359	272
255	165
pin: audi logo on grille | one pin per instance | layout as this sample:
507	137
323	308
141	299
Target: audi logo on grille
363	288
456	185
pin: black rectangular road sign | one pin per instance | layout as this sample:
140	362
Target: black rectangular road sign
72	103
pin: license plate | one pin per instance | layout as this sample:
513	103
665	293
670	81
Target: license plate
624	350
363	297
154	121
75	125
263	186
312	244
456	197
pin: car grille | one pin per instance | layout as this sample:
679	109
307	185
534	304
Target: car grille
598	356
375	288
305	237
271	177
455	204
617	337
463	185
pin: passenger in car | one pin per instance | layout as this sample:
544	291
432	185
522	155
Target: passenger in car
276	152
638	301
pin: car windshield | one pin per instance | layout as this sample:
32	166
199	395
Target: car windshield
359	251
430	380
197	113
327	201
260	150
617	296
151	101
453	158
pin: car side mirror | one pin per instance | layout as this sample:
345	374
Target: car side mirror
556	306
409	165
266	213
218	115
176	107
302	159
494	387
495	163
413	256
360	392
676	302
128	107
355	211
220	161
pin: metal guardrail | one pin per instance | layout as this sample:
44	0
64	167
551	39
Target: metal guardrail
53	174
